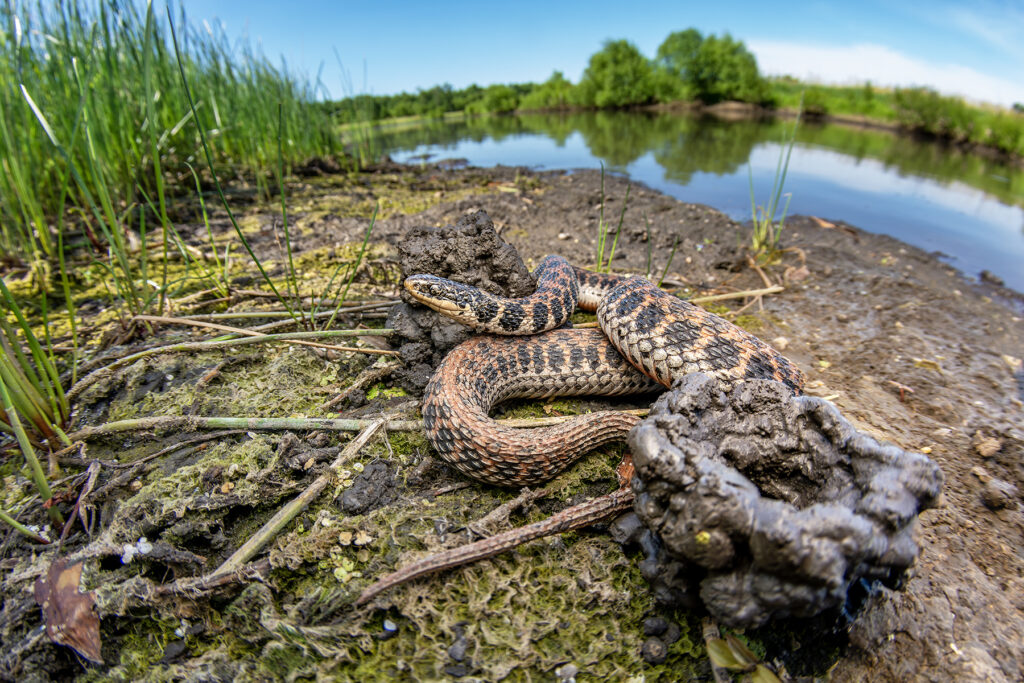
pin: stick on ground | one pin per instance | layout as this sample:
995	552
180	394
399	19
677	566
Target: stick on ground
576	517
297	505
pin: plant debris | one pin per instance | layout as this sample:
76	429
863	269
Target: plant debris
69	614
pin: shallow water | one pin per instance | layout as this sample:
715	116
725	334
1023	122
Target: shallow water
967	208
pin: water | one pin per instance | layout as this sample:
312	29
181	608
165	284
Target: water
965	207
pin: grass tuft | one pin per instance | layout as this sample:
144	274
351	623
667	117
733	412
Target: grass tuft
766	233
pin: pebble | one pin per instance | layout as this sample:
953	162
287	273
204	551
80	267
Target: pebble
567	673
654	650
563	235
390	630
998	494
456	670
457	650
655	626
672	634
987	447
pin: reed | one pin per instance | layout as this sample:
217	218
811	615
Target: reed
765	231
98	84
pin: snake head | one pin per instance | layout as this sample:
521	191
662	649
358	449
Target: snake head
449	298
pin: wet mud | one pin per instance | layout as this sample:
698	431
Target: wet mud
910	351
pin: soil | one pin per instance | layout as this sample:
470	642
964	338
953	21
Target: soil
909	350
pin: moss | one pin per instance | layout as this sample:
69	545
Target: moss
407	193
585	604
751	323
579	317
138	653
533	408
278	381
381	390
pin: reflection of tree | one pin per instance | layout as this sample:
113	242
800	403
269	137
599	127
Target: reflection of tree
684	145
618	138
910	156
707	145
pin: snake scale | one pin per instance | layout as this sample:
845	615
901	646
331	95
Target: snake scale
647	339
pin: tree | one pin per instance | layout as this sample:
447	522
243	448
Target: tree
723	69
617	76
551	94
496	99
709	68
678	51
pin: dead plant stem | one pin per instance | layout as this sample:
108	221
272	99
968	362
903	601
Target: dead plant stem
285	515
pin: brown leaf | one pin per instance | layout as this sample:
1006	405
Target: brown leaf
796	274
69	614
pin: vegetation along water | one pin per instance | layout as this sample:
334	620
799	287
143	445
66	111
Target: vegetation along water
966	206
148	169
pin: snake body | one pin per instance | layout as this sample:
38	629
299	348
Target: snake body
649	339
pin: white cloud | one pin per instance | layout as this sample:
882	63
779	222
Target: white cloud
882	66
1000	26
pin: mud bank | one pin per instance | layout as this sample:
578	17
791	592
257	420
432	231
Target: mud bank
908	349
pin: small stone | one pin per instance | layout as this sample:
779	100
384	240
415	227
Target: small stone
672	634
998	494
780	343
988	446
563	235
991	278
982	475
654	651
456	670
173	651
655	626
390	630
567	673
457	650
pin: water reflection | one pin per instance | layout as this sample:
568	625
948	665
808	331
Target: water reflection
936	197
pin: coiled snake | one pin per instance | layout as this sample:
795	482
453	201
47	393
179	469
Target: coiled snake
649	339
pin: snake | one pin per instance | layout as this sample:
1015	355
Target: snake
647	339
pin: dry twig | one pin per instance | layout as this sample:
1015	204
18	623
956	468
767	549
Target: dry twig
285	515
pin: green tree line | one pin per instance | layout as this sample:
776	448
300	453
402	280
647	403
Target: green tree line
691	67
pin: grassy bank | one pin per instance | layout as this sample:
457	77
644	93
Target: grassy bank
690	70
96	129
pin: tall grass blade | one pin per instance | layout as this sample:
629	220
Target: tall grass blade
35	468
216	179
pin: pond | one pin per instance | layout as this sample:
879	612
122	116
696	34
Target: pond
963	206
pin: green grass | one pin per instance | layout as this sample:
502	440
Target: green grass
765	232
921	110
110	115
606	241
96	126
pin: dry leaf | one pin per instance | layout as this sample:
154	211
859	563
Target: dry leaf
69	614
793	274
927	364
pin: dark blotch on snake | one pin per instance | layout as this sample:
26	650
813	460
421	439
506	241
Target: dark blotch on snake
512	317
540	317
487	311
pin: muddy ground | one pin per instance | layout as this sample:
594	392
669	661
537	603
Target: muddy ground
910	350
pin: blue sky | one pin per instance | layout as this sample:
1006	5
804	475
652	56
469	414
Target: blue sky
975	49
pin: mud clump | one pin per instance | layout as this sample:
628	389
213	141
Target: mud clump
765	505
471	251
372	489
